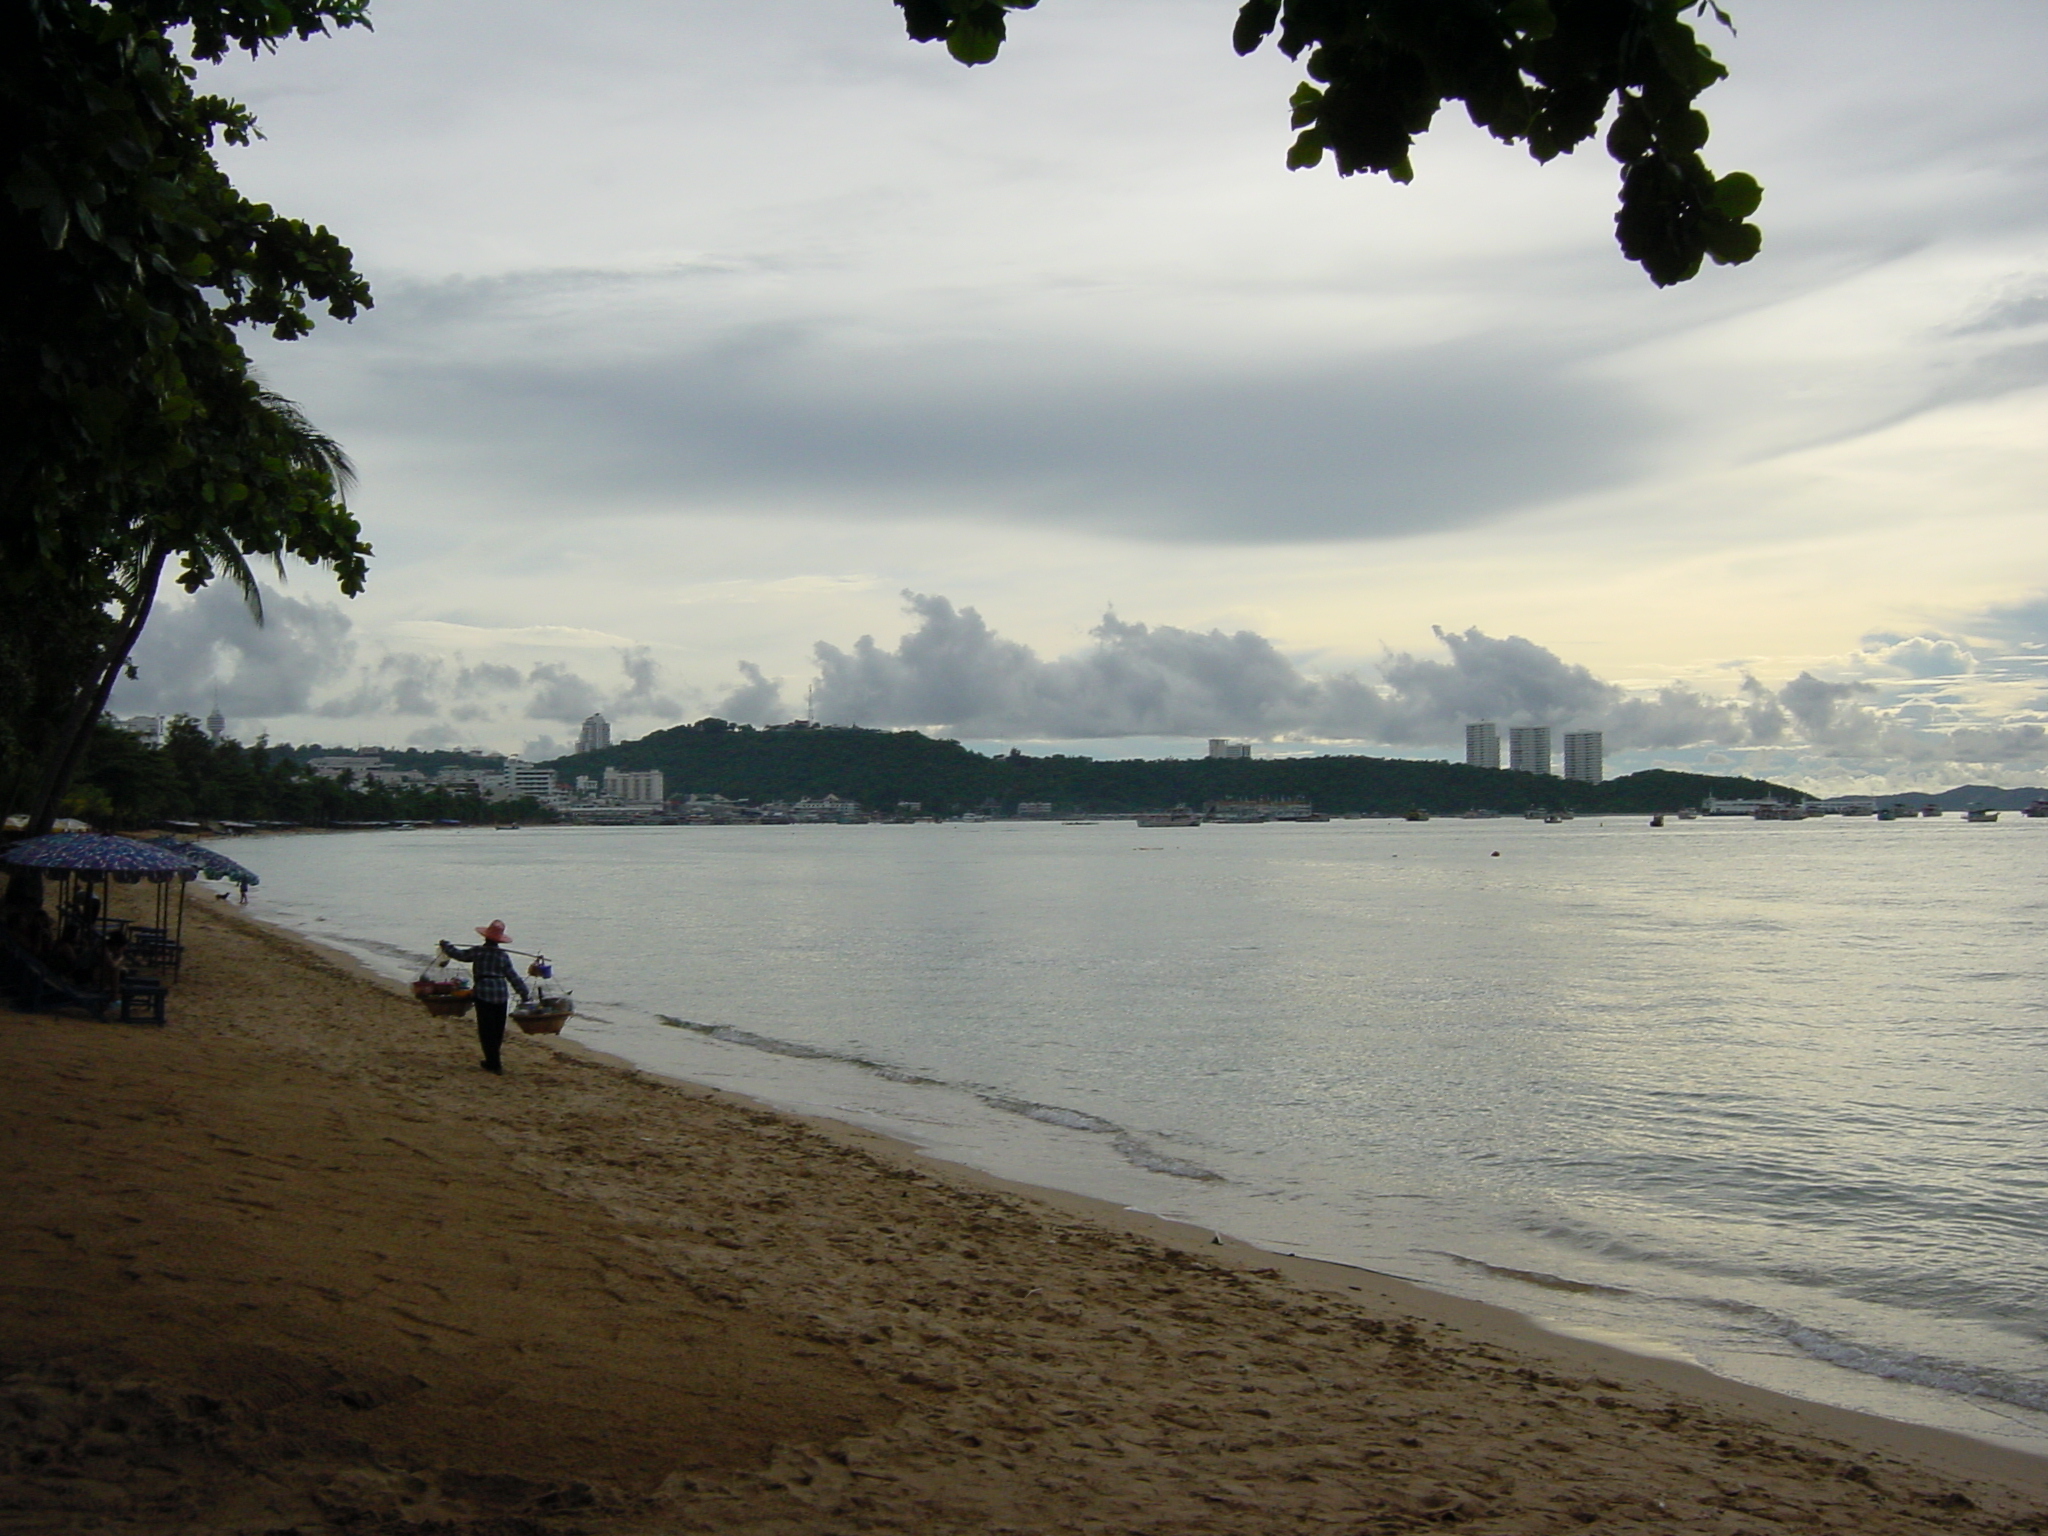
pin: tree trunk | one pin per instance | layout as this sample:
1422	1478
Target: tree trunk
69	748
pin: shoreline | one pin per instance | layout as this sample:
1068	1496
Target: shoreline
1960	1454
925	1346
1971	1454
1955	1452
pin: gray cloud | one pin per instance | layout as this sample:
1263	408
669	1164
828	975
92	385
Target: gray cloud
953	673
2011	311
644	694
1106	433
210	647
559	694
303	662
757	701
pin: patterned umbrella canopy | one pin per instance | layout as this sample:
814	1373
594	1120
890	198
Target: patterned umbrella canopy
214	864
96	853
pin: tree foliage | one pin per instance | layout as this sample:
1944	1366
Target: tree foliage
1541	73
134	434
127	783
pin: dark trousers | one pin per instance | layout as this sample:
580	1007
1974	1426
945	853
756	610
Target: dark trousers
490	1029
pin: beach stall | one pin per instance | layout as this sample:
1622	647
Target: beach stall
101	955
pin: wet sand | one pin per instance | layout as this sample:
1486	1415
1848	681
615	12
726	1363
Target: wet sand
293	1263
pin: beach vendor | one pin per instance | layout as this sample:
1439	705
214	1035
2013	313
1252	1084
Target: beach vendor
492	972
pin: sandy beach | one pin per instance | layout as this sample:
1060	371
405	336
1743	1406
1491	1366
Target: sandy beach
294	1264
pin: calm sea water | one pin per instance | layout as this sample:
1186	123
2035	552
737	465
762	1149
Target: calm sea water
1770	1097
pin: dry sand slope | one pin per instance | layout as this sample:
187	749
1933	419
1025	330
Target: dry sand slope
294	1264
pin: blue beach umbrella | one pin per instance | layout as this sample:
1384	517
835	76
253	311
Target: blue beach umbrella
212	863
98	853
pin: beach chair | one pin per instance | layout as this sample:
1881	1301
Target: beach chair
156	954
142	998
35	988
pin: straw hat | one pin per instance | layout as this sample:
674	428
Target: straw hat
495	934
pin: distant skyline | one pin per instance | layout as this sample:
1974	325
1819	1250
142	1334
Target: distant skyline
709	343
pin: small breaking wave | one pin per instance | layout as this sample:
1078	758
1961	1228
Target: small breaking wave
390	951
1537	1277
1979	1382
1133	1149
768	1044
1048	1114
1918	1370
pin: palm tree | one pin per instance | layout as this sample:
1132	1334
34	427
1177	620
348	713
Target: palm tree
286	486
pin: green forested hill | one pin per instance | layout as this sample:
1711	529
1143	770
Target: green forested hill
881	768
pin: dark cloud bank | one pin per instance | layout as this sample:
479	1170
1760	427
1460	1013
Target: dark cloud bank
1904	704
1106	434
953	673
304	662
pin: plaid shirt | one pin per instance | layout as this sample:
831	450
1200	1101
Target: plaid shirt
491	967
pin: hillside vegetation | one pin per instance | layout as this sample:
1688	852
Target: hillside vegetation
881	769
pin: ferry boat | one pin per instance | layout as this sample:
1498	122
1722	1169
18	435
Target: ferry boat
1179	816
1980	813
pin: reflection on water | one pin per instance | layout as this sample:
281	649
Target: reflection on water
1772	1094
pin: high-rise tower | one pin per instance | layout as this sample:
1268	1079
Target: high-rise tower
1482	745
1529	748
1582	756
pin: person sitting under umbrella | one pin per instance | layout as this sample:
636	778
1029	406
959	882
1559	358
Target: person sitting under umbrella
492	971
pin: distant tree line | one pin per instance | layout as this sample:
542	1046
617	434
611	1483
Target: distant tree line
884	768
126	782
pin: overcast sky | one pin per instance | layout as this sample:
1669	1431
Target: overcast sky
753	360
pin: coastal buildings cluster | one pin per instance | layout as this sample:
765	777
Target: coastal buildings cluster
1529	751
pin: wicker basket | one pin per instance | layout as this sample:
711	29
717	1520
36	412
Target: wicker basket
548	1023
447	1005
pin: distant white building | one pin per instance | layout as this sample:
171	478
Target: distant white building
634	786
519	781
1529	748
1582	756
595	736
358	769
1218	747
831	808
1482	745
149	728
